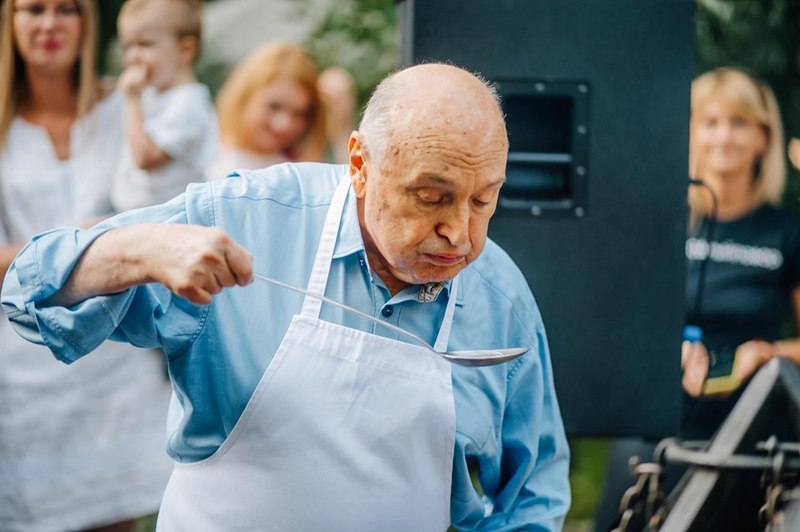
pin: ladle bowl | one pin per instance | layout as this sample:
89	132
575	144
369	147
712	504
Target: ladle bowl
473	358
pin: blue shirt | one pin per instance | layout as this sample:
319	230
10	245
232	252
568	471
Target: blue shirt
507	418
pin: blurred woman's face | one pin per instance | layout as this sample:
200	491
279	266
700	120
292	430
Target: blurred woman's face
727	142
276	117
47	34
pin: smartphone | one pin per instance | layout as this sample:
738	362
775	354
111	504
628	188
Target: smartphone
721	380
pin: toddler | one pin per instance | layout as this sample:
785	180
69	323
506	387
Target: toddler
170	123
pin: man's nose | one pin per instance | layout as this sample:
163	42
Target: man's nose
454	225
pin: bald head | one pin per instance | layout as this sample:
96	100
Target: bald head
419	100
426	166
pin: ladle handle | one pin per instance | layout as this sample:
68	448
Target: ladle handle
346	308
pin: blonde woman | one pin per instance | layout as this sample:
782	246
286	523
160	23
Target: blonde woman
276	106
744	250
743	266
81	446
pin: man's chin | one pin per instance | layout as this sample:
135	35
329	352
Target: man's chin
436	274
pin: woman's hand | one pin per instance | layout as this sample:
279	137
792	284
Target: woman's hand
750	356
337	90
694	362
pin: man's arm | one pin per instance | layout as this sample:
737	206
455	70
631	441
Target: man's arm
192	261
50	300
535	494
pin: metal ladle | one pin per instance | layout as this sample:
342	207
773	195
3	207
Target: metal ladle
476	357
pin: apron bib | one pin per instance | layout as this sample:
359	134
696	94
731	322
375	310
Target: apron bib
345	431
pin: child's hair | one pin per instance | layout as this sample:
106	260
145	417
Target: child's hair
266	64
185	16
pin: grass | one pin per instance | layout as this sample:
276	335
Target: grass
587	475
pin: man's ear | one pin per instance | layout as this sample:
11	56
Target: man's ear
358	170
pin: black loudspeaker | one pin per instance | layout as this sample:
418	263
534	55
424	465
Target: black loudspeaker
596	94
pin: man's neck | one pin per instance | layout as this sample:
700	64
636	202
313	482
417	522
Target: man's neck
377	264
378	267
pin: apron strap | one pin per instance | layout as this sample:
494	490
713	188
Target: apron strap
322	262
447	322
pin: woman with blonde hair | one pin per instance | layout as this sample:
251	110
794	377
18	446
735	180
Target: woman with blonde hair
81	447
276	106
743	270
743	251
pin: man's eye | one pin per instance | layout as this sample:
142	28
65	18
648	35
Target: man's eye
485	198
429	198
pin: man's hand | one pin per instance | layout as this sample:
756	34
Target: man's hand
193	261
196	262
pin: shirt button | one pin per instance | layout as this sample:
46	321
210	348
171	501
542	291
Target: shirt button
387	311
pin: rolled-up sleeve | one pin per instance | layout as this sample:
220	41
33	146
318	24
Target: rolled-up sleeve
43	267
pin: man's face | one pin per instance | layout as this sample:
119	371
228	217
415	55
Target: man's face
425	209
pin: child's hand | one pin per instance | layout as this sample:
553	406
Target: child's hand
133	80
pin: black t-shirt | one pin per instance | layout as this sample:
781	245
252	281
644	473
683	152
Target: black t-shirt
749	276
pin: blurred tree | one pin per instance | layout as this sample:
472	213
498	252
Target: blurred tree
762	37
109	9
358	35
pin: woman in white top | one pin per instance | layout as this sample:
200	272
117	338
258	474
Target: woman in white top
276	106
81	446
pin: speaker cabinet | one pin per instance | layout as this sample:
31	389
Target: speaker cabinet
596	94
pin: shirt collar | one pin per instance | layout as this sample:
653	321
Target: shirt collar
349	241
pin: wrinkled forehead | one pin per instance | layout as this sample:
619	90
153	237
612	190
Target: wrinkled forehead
448	123
449	148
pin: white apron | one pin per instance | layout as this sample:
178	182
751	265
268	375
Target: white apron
345	431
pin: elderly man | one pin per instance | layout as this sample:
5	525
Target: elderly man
296	415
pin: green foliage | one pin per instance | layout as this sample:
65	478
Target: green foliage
587	475
108	9
359	35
